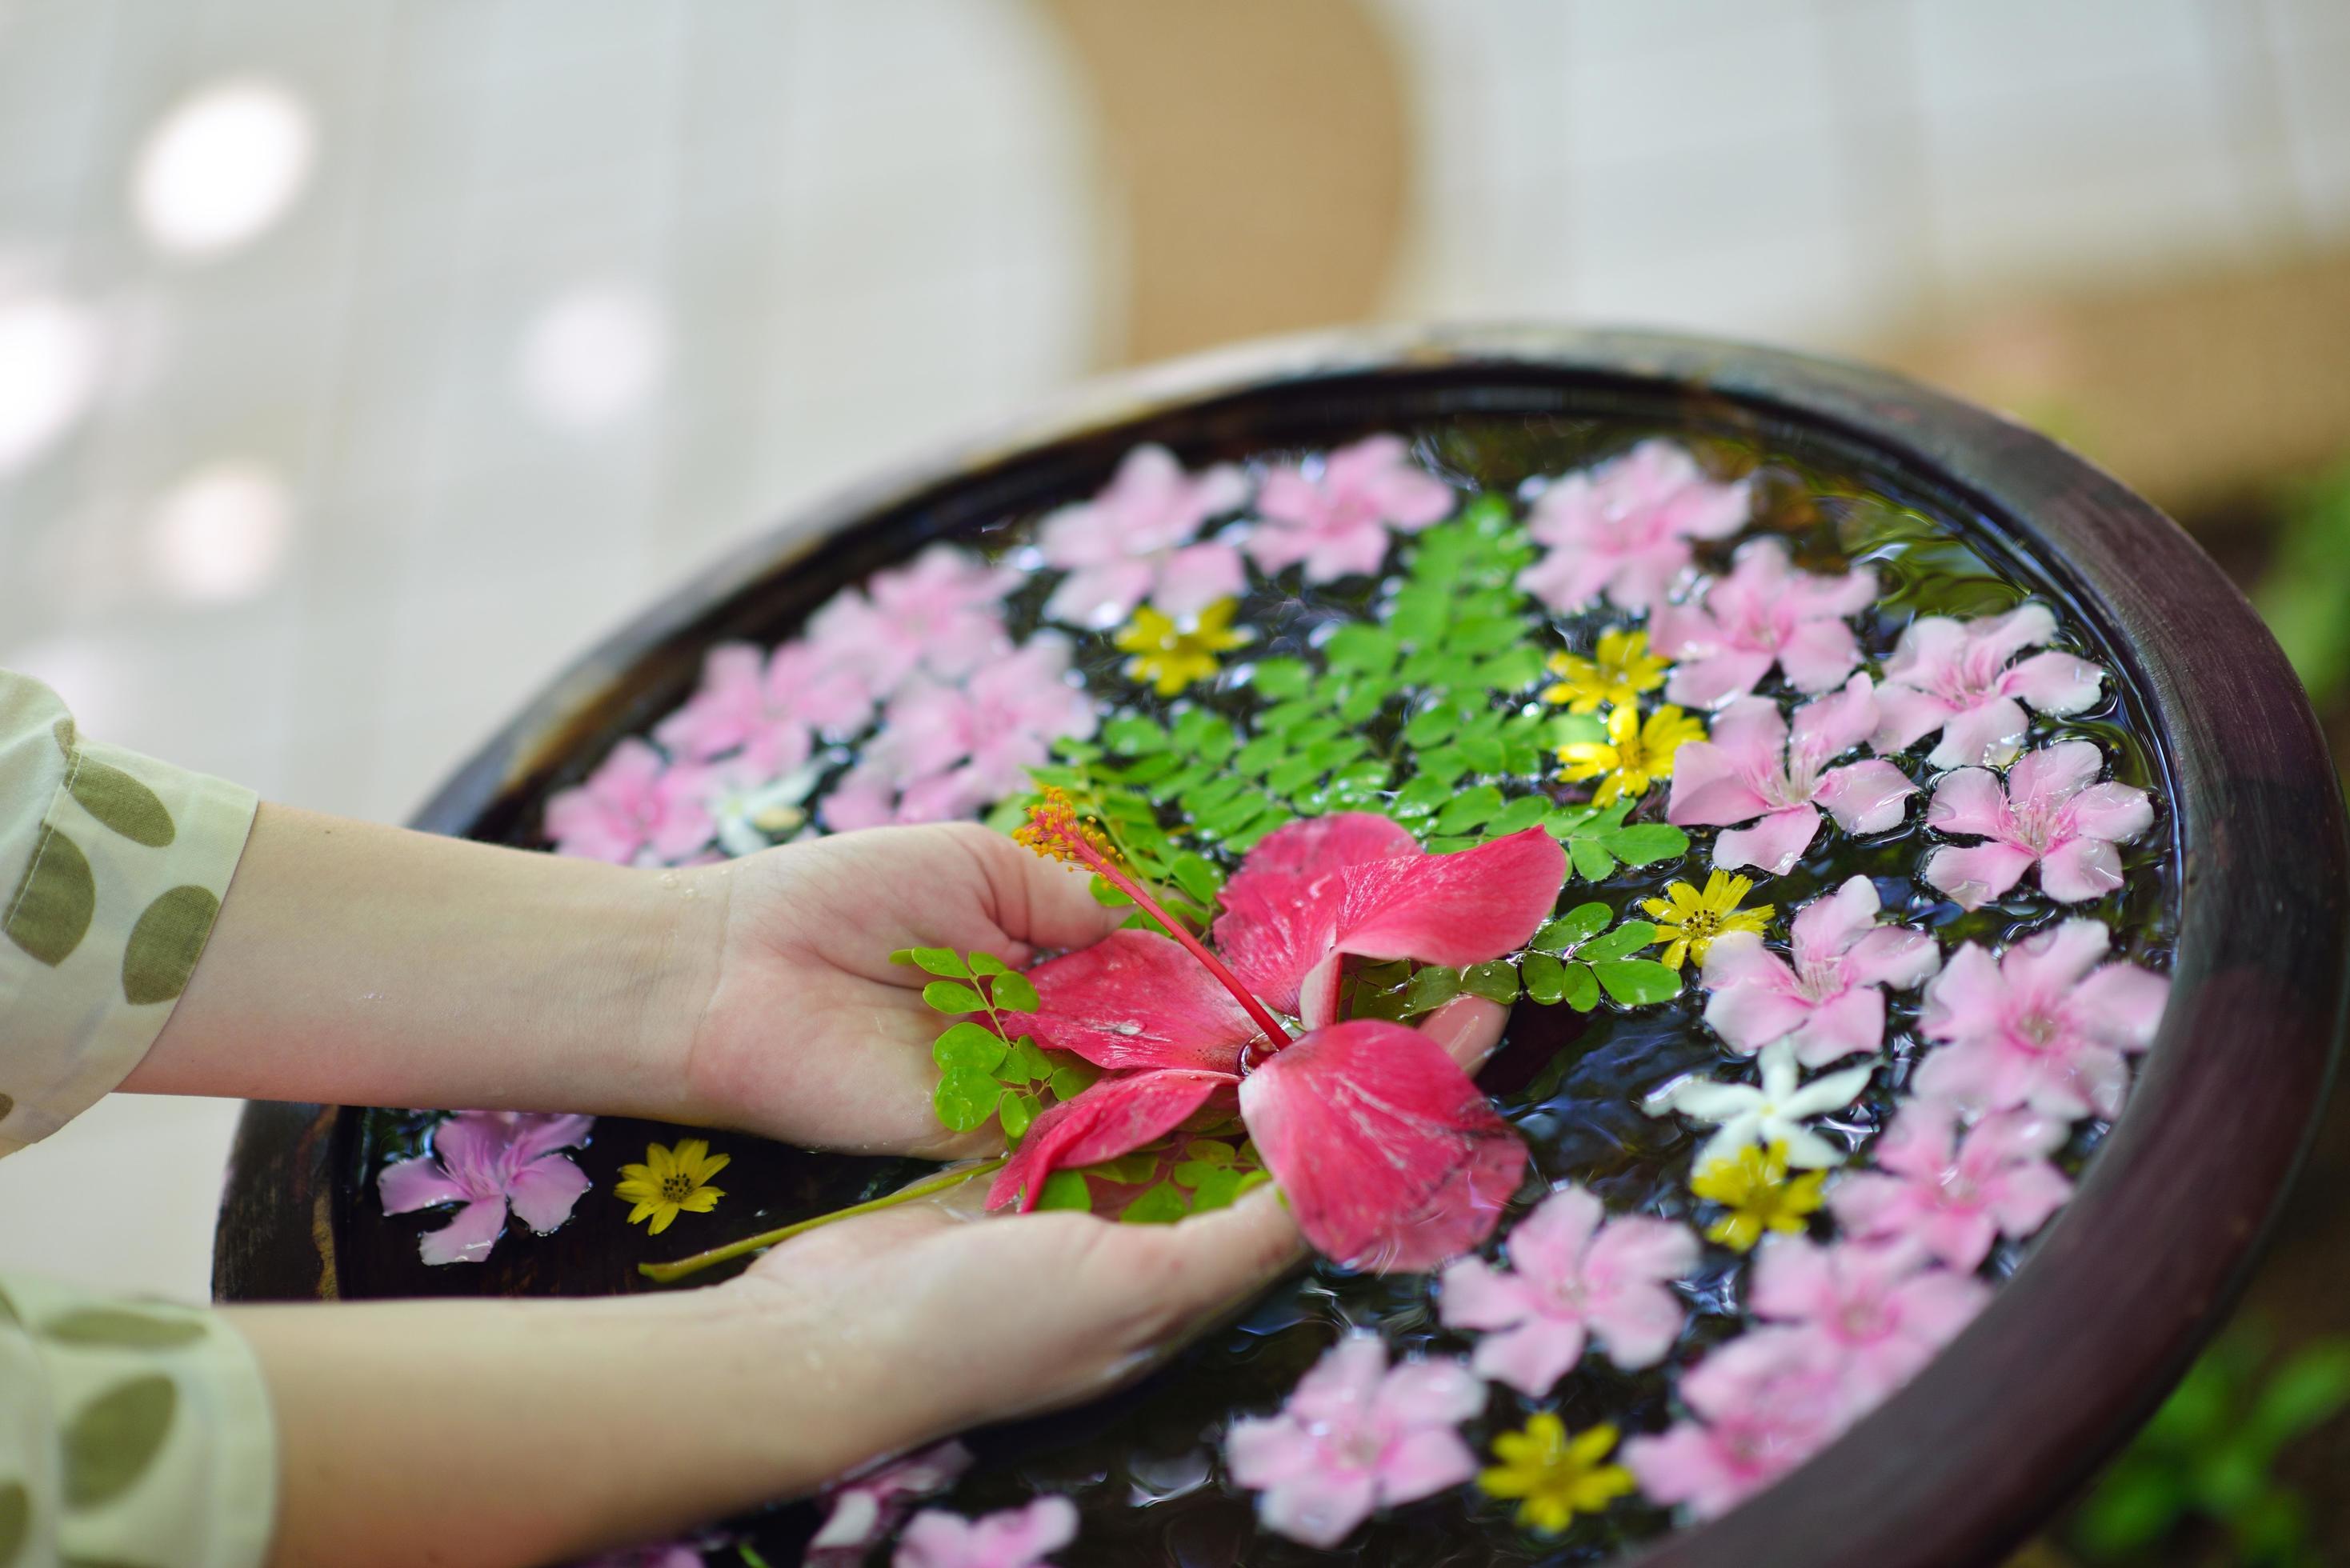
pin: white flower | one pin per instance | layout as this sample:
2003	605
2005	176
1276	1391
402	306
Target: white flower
1771	1112
752	814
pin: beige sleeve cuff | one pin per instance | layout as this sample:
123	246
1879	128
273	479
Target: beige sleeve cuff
115	866
129	1432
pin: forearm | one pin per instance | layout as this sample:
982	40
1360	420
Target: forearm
503	1433
364	964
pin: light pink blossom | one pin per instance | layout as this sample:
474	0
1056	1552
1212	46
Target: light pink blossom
866	1507
1883	1311
949	749
1356	1435
1014	1538
632	804
490	1161
1570	1278
1133	541
935	614
1963	678
2037	1028
1624	528
2049	814
767	707
1763	1403
1337	522
1752	770
1828	1003
1764	614
1953	1197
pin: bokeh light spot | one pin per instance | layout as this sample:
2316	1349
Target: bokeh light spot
222	167
593	354
220	533
48	373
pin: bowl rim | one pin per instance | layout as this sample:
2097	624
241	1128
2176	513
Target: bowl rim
2168	1216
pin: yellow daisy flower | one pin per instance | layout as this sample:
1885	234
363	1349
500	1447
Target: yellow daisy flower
1554	1475
1691	920
1756	1197
1172	654
1634	755
670	1183
1620	670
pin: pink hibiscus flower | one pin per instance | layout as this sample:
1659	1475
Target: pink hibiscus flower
1952	1197
767	707
949	749
1356	1435
1389	1156
868	1506
1883	1311
1764	614
1572	1278
1962	678
2048	814
490	1161
1014	1538
1828	1003
1752	770
634	803
935	614
1133	541
1624	528
2036	1028
1337	523
1764	1403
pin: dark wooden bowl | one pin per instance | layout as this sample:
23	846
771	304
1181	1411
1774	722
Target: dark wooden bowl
2135	1272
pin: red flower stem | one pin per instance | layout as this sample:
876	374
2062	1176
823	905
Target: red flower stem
1271	1026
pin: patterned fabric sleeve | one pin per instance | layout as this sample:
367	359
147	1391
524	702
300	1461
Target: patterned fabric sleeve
129	1432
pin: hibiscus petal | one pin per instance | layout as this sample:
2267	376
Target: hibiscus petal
2122	1005
1749	1017
1974	875
1711	789
1136	999
2057	683
2083	869
1969	801
1708	681
412	1184
1986	735
1818	655
1390	1157
1116	1116
1906	715
543	1192
2117	811
1866	797
1533	1356
1773	844
1846	1025
2054	772
1832	725
469	1237
1892	956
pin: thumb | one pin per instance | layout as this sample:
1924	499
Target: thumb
1468	1027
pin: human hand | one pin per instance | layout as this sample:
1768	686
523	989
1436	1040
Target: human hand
811	1034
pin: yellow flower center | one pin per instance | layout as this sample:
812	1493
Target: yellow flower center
676	1186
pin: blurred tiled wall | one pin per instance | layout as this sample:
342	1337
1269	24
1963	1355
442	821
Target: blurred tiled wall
525	307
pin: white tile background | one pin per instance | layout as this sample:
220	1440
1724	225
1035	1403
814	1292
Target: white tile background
862	222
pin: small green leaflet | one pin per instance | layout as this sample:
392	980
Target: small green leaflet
1596	839
1572	962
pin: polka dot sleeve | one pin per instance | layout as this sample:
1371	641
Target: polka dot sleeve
113	867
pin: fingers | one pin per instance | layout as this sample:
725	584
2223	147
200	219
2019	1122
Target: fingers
1044	903
1213	1263
1469	1028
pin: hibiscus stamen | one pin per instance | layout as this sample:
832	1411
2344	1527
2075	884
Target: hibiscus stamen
1057	832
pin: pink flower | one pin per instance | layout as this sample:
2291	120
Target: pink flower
935	614
1764	1403
2031	1030
1337	524
1133	543
951	750
866	1507
1623	528
490	1161
1827	1003
1765	613
1884	1311
1014	1538
1354	1435
1960	677
2049	814
1953	1198
1388	1156
769	707
1751	769
633	803
1572	1277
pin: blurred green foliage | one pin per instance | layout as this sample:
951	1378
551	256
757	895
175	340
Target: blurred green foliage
2305	594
